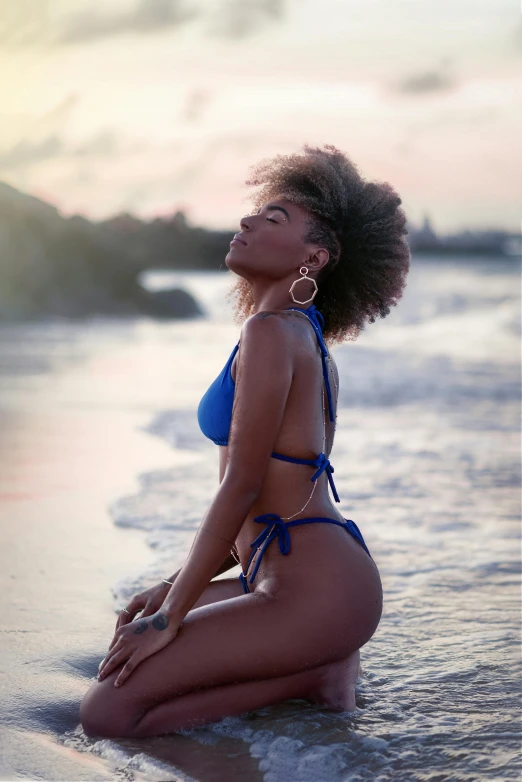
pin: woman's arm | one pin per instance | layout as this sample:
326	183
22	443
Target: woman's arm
150	600
228	563
263	383
264	377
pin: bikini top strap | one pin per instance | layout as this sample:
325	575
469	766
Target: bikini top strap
317	321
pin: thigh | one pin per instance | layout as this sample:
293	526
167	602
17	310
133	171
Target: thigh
246	638
221	589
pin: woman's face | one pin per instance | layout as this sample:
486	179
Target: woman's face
270	243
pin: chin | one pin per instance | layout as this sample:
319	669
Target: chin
235	264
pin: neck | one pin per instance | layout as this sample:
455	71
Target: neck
267	298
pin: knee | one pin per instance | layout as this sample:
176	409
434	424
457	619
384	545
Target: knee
103	714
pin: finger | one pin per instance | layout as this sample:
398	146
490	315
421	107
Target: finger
113	662
127	669
113	640
103	666
117	637
113	644
121	619
127	615
113	650
149	609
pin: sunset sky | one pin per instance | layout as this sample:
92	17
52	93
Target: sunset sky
150	106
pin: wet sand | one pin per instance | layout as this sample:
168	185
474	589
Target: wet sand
60	556
73	442
63	459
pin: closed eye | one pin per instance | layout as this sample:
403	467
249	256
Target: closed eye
272	220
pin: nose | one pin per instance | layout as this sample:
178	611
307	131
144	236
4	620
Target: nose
244	223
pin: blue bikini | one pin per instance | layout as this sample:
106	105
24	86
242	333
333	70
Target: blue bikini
214	418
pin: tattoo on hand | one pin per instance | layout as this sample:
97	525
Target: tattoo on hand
142	626
160	622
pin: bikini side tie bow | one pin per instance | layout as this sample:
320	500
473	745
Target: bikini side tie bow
275	528
323	465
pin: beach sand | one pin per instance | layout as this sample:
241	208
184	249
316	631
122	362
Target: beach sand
60	556
73	442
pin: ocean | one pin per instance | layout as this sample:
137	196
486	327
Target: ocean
427	463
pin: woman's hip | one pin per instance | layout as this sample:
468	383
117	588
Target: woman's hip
323	568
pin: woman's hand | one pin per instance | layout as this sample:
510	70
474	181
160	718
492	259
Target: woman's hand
135	641
147	602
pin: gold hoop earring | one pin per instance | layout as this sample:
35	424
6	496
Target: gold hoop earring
304	272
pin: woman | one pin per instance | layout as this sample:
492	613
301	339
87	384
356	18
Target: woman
324	254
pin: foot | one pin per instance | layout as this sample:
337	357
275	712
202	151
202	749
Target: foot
334	685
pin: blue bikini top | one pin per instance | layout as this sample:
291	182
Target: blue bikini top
215	407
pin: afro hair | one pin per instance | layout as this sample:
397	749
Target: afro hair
360	223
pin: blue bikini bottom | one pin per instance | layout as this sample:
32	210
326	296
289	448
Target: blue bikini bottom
275	527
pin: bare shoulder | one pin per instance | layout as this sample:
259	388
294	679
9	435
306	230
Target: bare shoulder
265	339
265	326
270	324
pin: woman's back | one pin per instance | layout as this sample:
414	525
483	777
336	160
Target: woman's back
308	425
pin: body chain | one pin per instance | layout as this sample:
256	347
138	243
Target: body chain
323	405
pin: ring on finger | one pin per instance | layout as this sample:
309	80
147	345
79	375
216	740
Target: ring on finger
126	611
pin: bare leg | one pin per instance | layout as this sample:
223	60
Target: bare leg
237	652
331	686
220	589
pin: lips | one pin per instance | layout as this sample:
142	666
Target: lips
238	238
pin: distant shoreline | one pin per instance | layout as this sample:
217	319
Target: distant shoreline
72	267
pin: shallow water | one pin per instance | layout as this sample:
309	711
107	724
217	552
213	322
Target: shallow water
427	463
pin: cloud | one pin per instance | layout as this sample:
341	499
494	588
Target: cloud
61	111
25	23
147	17
31	137
516	37
240	18
197	100
24	153
22	23
429	81
228	18
103	144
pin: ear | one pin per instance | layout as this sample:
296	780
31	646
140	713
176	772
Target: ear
318	259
